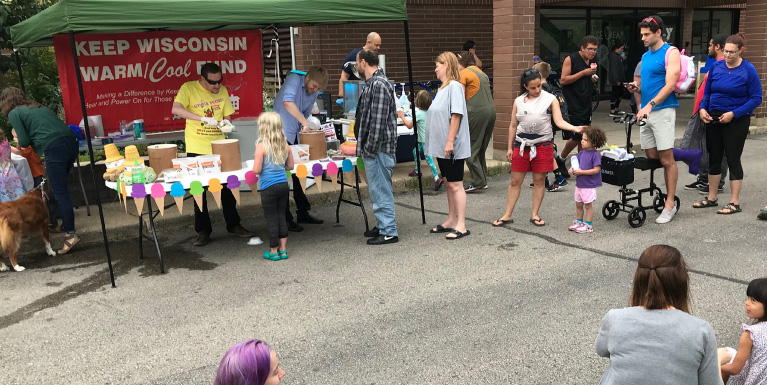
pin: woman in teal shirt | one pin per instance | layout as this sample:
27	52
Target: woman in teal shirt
49	136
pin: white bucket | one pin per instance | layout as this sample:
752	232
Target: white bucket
300	153
209	164
188	165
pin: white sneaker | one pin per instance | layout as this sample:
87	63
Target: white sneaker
585	228
666	216
576	224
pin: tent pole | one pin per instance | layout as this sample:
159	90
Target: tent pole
18	67
292	48
412	112
90	152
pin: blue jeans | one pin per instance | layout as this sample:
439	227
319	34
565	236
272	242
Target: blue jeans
60	156
379	172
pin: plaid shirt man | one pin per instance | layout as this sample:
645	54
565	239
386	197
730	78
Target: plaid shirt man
377	117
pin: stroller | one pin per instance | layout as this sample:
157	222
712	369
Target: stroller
621	173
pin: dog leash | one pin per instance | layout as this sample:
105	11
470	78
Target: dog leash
42	190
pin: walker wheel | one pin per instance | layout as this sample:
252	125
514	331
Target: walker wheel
611	209
637	216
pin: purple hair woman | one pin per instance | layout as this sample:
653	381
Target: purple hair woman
250	362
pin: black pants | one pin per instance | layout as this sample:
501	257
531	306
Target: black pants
616	96
726	138
228	204
274	200
302	203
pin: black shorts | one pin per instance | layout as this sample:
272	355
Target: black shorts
452	170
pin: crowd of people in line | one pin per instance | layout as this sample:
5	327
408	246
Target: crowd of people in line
655	340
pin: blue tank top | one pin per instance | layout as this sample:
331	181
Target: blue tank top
272	173
654	78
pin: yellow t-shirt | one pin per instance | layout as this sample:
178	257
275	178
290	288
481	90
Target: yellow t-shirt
470	80
200	101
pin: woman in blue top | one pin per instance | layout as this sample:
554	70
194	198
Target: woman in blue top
732	92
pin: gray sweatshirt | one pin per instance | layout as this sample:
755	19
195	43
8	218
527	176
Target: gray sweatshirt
657	347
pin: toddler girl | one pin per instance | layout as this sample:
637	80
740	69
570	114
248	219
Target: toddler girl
10	184
423	102
588	169
273	157
748	365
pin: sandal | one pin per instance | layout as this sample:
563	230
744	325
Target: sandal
705	203
440	229
502	222
284	254
762	214
70	240
731	208
538	222
457	234
271	257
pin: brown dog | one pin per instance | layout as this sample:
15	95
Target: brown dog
25	216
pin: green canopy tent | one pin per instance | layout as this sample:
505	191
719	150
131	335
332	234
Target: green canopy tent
125	16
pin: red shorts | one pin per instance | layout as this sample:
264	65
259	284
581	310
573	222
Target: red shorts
543	161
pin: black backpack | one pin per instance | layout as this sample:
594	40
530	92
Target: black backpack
556	91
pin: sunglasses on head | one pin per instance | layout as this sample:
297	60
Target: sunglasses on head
214	82
648	19
529	72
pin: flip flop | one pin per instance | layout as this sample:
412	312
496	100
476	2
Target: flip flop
502	223
538	222
457	234
440	229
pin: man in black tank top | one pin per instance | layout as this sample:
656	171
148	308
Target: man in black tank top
577	85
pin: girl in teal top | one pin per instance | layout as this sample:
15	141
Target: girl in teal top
423	101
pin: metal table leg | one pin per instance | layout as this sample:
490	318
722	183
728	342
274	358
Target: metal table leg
151	214
358	203
82	187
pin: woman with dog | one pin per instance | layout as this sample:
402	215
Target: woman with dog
40	128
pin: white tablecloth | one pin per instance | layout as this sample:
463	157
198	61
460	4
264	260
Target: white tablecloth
22	168
247	166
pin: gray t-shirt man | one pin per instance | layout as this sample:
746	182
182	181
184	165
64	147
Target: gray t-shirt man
657	347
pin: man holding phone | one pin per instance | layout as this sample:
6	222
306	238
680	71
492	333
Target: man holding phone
578	77
658	105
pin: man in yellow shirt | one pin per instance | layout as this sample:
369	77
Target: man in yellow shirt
203	103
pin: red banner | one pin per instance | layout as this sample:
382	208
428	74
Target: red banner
137	75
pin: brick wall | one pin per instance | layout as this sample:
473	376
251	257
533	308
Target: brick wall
435	26
514	45
756	41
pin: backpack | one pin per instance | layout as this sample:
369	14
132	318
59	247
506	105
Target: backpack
687	75
557	92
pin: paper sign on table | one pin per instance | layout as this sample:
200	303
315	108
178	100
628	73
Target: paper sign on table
251	179
302	173
215	187
233	184
138	193
195	188
317	174
177	192
348	167
125	196
158	194
333	173
361	167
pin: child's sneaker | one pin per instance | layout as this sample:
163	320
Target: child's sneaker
576	224
585	228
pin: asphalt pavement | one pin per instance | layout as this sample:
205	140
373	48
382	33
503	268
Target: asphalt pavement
519	304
